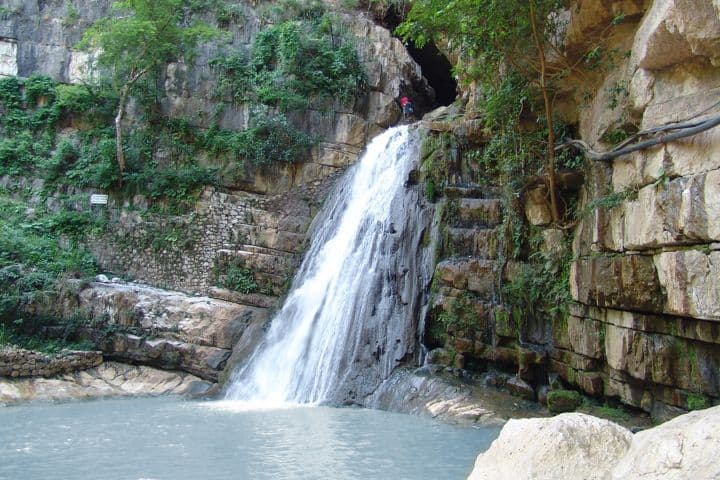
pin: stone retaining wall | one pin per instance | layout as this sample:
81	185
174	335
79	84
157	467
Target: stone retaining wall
26	363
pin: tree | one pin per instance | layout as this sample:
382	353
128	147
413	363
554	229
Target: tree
137	42
502	38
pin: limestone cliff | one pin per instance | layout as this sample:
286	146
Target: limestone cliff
642	326
254	223
259	219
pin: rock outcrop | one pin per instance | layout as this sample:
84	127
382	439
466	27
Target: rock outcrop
574	445
110	379
567	446
643	324
165	329
681	448
646	276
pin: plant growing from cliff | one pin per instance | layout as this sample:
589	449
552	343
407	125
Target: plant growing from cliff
136	43
503	45
298	61
239	279
32	257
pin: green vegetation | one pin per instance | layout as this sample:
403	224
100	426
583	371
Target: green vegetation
540	287
136	43
237	277
29	144
37	251
696	401
269	140
560	401
303	60
240	279
460	316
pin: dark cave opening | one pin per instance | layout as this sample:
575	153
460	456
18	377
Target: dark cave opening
436	68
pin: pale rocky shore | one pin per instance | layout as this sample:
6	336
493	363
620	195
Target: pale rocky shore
110	379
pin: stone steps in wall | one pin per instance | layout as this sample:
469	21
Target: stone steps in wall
266	251
469	191
480	243
476	212
269	238
474	275
252	299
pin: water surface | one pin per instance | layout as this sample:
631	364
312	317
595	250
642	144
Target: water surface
172	439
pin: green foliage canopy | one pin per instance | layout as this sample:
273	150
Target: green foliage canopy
492	35
294	63
143	36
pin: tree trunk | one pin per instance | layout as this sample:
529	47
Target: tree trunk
119	153
552	182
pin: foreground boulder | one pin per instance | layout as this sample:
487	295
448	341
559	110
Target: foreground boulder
579	446
685	447
570	445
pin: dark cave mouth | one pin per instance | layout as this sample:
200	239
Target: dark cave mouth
436	68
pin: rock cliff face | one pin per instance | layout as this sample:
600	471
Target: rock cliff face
646	277
258	219
643	324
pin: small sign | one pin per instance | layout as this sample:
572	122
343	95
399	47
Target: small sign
98	199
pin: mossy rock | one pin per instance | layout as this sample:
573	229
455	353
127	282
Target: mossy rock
559	401
442	356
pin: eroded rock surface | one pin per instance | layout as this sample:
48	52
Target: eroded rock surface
685	447
165	329
107	380
575	445
568	446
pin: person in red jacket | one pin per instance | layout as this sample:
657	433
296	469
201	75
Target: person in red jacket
407	106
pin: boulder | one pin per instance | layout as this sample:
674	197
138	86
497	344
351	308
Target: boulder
520	388
561	401
685	447
568	446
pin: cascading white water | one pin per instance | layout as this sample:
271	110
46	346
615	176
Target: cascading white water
351	316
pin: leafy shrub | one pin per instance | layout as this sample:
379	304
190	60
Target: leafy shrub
240	279
293	64
37	87
269	140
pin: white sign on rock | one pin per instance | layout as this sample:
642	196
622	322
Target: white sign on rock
98	199
8	58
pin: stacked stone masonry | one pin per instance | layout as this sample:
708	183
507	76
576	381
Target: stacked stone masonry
15	362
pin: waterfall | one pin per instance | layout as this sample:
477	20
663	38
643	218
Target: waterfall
352	313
